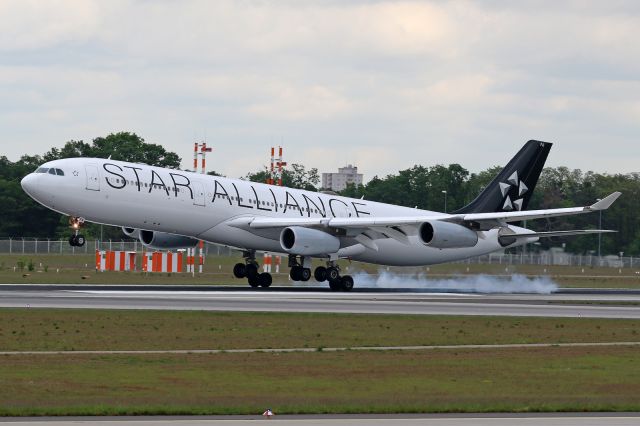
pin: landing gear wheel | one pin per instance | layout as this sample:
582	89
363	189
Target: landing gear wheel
72	241
295	273
305	274
347	283
320	274
333	274
335	285
251	270
240	270
80	240
265	279
254	281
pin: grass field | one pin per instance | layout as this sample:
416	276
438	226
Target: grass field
75	269
90	329
486	380
511	379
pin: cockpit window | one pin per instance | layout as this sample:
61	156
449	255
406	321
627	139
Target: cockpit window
42	170
59	172
52	171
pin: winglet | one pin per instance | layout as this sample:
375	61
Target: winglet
606	202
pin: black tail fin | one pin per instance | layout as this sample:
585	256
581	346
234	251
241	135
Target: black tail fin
512	188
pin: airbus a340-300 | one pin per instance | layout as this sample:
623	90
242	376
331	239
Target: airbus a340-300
171	209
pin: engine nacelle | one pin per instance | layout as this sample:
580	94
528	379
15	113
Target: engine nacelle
131	232
308	242
447	235
164	241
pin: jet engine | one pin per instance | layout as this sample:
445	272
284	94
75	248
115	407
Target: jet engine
307	241
131	232
447	235
163	241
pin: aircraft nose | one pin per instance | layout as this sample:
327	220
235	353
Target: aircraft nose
28	183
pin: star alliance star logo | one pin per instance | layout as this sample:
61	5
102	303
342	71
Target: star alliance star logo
505	187
75	173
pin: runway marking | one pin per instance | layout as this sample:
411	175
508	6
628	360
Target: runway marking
325	302
244	294
336	349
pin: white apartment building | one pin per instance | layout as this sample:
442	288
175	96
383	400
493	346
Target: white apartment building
339	181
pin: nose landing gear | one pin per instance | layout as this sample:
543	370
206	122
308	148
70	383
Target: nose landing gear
249	270
76	239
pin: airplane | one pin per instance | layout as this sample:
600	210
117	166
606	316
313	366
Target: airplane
173	209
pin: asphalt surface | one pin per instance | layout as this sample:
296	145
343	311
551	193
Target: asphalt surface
560	419
588	303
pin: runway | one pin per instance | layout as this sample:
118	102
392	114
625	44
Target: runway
588	304
559	419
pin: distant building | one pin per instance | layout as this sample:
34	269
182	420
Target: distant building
339	181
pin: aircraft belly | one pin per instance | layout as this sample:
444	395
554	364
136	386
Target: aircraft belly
235	237
393	253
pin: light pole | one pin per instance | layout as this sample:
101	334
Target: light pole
445	200
599	234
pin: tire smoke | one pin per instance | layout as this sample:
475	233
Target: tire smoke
471	284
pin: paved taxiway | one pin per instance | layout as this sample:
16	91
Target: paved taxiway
562	419
571	304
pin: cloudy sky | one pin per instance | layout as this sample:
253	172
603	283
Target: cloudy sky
383	85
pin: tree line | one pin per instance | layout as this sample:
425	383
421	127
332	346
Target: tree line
419	186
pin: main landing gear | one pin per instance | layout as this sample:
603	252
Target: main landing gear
301	271
250	270
76	239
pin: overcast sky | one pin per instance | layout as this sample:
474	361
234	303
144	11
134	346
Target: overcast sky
383	85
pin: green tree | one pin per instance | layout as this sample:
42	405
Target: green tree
22	216
123	146
297	176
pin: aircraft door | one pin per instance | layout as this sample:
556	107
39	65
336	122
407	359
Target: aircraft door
93	177
198	193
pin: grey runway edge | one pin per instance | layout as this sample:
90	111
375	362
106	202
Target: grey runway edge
276	289
588	304
535	419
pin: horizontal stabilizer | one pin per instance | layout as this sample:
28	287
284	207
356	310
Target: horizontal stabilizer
606	202
510	237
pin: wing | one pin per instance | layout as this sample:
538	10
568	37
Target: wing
368	229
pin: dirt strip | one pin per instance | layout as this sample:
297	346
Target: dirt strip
322	349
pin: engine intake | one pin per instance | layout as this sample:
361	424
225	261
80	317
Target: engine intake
131	232
447	235
164	241
307	241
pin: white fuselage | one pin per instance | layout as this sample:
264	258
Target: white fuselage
201	206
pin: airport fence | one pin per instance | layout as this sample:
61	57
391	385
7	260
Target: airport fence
552	257
51	246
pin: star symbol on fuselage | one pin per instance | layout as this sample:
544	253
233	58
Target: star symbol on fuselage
76	173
